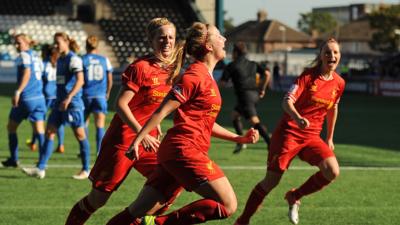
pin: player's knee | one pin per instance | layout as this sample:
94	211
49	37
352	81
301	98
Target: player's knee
254	120
331	173
98	199
335	172
98	203
231	207
50	133
80	134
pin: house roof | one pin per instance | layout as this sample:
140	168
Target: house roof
265	31
358	30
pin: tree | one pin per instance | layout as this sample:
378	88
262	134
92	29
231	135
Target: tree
316	22
386	23
228	22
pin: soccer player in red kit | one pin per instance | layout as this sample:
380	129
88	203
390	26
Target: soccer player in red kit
183	154
145	83
313	97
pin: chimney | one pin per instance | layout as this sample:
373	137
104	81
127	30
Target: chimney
261	15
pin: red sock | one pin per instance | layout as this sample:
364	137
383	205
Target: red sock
253	204
197	212
124	218
80	213
315	183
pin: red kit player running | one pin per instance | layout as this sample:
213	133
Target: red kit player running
313	97
183	154
145	83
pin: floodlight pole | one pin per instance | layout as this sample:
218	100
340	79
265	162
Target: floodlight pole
219	15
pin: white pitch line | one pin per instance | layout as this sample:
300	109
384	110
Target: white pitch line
59	166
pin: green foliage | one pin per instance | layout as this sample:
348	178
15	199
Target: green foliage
228	22
316	22
385	21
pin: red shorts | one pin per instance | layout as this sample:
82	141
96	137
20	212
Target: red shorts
188	172
112	167
284	148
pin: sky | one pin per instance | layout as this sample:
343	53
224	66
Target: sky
285	11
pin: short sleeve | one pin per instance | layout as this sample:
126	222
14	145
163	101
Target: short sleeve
296	89
133	77
185	89
26	60
76	64
109	66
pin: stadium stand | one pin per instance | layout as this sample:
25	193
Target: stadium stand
126	31
31	7
122	35
39	28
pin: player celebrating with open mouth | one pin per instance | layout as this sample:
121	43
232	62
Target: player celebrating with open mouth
313	97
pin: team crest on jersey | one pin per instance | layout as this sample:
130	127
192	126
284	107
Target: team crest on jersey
213	94
334	93
155	80
313	87
210	167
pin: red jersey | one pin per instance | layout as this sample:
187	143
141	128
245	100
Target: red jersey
313	97
200	101
149	82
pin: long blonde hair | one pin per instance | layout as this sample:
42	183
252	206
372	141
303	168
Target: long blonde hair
27	39
73	45
173	60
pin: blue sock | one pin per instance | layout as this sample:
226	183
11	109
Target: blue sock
85	154
40	137
60	135
13	146
99	137
45	153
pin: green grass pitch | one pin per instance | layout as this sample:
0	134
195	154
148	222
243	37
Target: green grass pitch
367	142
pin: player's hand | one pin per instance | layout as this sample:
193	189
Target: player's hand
133	151
64	104
15	100
251	136
150	143
330	144
303	123
261	94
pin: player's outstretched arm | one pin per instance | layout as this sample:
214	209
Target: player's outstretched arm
251	136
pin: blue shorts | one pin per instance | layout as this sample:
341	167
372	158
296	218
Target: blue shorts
50	103
33	109
95	105
74	118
